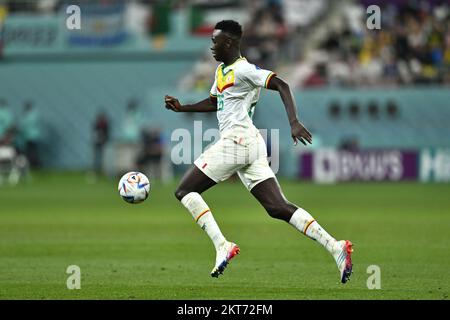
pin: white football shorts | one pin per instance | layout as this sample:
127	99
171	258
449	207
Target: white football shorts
238	150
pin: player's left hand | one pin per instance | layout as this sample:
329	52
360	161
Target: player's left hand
300	133
172	103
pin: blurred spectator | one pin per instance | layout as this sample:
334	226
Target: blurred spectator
373	110
150	157
268	35
128	143
42	6
6	124
131	125
354	109
13	167
29	133
334	110
412	47
137	16
47	6
318	78
202	75
350	143
392	109
101	137
265	33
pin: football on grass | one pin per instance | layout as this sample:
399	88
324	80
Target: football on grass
134	187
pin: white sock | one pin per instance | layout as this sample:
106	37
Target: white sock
306	224
203	216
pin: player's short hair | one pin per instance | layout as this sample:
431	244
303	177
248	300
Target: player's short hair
230	26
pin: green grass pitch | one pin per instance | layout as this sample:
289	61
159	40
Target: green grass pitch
155	250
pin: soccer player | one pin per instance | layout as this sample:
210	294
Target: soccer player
242	150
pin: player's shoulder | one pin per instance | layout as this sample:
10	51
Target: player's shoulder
243	64
246	66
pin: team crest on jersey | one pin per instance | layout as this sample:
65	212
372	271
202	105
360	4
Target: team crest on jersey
225	80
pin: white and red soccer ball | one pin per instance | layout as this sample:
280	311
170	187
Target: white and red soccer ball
134	187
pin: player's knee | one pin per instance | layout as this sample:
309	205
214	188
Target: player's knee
280	211
274	211
180	193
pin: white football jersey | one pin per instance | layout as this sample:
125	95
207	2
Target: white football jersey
237	88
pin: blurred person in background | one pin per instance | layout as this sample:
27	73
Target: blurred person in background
6	124
13	167
349	143
412	47
198	79
48	6
318	78
265	33
101	137
128	144
132	122
29	133
150	157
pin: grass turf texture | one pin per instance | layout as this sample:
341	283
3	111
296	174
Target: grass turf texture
154	250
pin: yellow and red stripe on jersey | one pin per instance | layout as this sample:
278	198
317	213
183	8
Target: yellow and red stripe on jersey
225	80
270	76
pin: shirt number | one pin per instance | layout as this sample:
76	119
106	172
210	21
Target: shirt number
219	102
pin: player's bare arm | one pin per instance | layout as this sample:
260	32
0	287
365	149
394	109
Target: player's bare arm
298	130
206	105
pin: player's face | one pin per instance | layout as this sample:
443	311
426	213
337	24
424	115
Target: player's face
218	45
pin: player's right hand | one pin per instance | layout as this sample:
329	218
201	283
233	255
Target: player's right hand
300	133
172	103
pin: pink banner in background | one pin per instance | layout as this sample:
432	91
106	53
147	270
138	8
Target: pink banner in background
331	165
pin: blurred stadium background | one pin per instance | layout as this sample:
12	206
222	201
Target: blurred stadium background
80	107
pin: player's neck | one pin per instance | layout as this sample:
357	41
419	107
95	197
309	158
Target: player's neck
232	58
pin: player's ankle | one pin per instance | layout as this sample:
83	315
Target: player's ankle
218	244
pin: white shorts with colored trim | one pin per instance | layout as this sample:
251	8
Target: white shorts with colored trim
238	150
